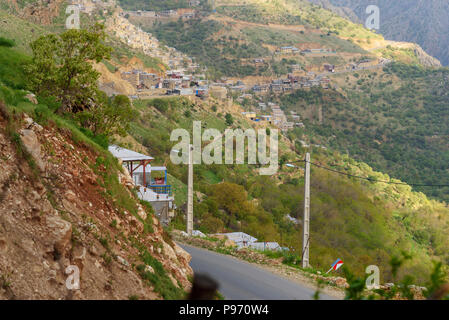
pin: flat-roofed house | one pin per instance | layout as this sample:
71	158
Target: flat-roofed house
275	87
150	180
266	118
260	88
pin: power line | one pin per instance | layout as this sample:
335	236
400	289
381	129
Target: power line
373	180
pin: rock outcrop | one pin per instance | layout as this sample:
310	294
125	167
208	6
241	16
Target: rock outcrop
41	11
423	57
60	219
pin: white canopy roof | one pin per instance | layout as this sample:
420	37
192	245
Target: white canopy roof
149	168
127	155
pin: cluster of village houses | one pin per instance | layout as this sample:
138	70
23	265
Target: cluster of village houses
293	82
277	116
176	82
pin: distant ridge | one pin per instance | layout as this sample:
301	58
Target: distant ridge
425	22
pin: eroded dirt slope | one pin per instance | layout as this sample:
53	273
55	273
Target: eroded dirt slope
59	214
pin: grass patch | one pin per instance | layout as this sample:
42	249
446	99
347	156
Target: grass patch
159	279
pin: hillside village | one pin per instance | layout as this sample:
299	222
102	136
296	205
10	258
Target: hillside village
132	191
184	77
180	82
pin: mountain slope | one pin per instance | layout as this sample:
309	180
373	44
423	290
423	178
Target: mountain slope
229	40
421	21
375	220
66	202
395	120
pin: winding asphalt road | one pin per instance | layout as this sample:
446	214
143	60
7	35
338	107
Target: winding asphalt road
240	280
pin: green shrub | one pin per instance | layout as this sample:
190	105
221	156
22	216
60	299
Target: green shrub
212	224
229	119
42	114
100	139
160	104
291	259
6	42
159	279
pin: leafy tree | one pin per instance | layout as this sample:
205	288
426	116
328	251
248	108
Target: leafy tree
110	116
232	198
229	119
283	160
62	67
212	224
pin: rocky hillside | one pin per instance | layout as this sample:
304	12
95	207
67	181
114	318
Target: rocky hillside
41	11
59	208
421	21
422	56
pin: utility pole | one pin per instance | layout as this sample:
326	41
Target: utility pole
306	217
190	193
212	4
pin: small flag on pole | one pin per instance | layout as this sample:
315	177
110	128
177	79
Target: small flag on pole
336	265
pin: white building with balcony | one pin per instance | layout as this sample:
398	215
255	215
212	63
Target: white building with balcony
151	181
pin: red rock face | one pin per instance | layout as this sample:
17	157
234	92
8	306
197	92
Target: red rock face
59	215
42	12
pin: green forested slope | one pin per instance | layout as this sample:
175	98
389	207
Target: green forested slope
397	121
359	221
